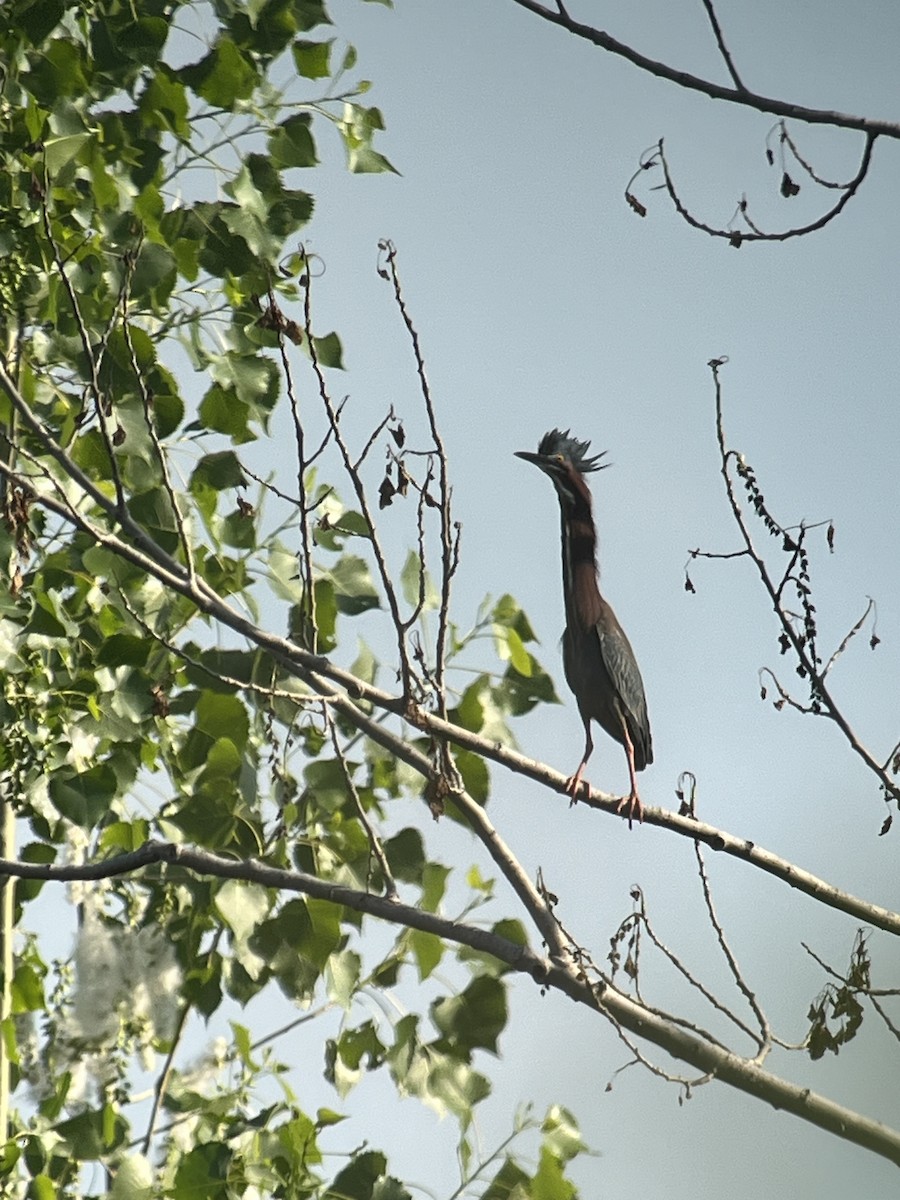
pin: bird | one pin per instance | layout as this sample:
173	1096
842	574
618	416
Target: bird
599	663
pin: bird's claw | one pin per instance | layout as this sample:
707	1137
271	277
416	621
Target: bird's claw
635	808
573	783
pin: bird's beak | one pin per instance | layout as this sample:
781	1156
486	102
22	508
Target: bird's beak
530	456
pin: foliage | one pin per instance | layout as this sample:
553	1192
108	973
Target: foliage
154	190
235	687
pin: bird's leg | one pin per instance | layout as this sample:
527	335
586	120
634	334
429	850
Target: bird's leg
574	781
633	800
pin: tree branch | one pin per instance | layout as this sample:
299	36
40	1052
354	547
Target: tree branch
737	236
716	91
723	49
319	673
808	661
569	979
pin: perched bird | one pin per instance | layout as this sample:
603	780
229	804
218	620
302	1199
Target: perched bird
598	660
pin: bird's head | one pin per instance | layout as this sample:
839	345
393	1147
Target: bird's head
561	456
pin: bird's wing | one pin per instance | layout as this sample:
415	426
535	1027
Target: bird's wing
625	676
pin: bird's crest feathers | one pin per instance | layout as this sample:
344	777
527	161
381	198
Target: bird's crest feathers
558	441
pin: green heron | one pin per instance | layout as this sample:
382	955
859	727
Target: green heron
598	660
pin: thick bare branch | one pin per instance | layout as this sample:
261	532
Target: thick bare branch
716	91
570	979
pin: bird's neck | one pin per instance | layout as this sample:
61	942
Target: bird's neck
579	562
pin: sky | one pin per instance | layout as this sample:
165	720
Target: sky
542	300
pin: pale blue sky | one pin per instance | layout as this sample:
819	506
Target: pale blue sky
542	300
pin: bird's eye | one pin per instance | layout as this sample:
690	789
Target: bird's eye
558	458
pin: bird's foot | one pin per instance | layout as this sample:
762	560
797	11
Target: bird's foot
635	808
573	783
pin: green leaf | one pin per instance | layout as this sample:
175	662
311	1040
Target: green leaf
428	950
357	1180
562	1137
549	1182
354	589
358	126
510	1183
203	1171
291	143
325	594
509	613
222	411
218	471
434	884
124	649
142	40
324	778
327	1116
406	855
242	906
511	648
329	351
154	275
167	407
37	21
59	152
27	989
475	774
343	977
476	1017
223	760
344	1056
309	14
485	963
312	59
221	715
223	76
412	582
164	103
83	798
365	665
42	1187
124	836
321	937
133	1179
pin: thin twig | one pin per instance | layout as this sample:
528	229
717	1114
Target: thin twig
162	1084
311	631
406	672
147	403
91	359
756	234
817	681
786	139
449	544
723	49
848	637
764	1039
376	848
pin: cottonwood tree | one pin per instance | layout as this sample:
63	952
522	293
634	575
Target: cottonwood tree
238	698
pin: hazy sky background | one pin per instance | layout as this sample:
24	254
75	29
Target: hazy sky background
541	300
